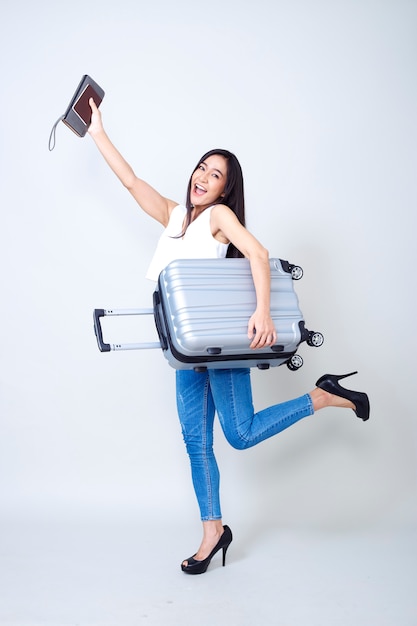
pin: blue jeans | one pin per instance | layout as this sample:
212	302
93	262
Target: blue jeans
229	393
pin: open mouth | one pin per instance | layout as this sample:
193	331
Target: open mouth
198	190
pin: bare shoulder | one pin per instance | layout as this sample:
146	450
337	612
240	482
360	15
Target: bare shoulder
225	220
221	212
225	223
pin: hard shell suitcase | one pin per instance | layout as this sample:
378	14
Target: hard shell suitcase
202	308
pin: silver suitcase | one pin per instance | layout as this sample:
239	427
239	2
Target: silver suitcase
202	307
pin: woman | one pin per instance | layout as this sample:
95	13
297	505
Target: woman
212	224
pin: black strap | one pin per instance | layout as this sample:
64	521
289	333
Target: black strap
51	144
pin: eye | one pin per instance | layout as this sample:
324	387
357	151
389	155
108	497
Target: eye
216	175
201	167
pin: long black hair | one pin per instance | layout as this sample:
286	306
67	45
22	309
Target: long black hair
233	195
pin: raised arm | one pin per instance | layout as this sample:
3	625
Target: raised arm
147	197
224	222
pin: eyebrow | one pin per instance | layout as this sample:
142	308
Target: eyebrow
213	168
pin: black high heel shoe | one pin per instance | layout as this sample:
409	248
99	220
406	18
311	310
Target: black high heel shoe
199	567
330	383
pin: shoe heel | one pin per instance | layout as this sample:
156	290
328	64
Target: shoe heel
333	379
224	554
345	375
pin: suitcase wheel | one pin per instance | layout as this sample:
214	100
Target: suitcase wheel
295	362
315	339
296	272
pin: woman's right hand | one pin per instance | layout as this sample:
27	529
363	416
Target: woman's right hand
96	122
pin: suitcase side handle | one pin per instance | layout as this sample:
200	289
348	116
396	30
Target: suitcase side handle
158	321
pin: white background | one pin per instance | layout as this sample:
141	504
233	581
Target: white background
318	101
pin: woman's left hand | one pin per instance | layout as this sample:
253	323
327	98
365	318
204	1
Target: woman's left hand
261	330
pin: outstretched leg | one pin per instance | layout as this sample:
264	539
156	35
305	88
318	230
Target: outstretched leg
243	428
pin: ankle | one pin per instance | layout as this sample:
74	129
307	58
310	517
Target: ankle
322	399
212	527
212	531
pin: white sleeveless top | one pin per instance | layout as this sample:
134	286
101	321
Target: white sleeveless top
197	243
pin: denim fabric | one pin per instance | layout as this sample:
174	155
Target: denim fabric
229	393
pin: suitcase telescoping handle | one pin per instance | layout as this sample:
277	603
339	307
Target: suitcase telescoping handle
107	347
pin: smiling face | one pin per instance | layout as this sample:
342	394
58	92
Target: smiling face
208	181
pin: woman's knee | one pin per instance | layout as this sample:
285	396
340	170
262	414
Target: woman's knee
236	441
